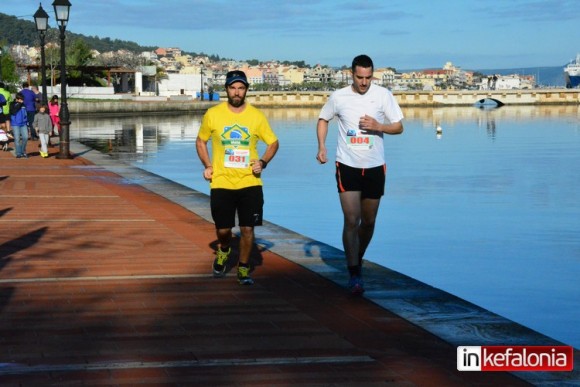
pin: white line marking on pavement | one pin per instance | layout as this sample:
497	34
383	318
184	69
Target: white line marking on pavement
20	369
14	176
74	220
103	278
60	196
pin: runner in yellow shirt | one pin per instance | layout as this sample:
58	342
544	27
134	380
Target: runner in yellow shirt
234	170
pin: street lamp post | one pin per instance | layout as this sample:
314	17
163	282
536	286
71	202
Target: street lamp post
41	21
61	10
201	72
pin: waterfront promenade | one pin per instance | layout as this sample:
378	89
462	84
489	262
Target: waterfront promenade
105	281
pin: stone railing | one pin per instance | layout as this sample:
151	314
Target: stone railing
143	104
507	97
429	98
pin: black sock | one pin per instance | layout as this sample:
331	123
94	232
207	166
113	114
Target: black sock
354	270
244	265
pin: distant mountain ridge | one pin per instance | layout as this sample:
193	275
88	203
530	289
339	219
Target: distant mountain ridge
18	31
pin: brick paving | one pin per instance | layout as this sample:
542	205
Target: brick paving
103	282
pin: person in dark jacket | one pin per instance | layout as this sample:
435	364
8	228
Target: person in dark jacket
19	123
30	104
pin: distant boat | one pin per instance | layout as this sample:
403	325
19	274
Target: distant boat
572	73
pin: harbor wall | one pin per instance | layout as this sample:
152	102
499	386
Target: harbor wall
141	104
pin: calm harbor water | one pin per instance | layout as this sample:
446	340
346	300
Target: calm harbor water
489	210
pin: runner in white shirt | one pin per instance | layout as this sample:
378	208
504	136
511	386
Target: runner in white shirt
365	113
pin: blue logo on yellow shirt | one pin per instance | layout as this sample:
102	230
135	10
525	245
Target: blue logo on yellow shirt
236	135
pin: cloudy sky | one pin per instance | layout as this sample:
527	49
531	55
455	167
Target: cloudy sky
405	34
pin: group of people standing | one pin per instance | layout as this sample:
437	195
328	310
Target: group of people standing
26	117
365	113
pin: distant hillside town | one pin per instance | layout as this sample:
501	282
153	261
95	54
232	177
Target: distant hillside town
170	71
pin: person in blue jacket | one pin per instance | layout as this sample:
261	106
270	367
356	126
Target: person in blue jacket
30	104
19	123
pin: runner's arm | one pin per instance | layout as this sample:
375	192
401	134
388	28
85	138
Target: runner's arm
203	153
369	124
259	165
321	132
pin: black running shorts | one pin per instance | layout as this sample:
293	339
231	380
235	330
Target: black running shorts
369	181
248	203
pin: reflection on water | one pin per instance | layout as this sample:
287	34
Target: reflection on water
133	138
143	134
487	209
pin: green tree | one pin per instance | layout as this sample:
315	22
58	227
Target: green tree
9	72
79	56
52	58
300	63
160	75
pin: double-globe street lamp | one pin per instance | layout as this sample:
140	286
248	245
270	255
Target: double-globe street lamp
41	21
61	11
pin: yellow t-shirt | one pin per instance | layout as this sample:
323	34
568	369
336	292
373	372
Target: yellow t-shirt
234	139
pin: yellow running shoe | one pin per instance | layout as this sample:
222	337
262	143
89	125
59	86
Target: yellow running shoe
219	264
244	276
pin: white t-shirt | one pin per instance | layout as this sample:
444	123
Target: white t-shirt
356	148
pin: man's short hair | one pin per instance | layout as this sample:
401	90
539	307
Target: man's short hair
362	61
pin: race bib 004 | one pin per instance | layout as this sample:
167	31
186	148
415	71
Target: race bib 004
359	141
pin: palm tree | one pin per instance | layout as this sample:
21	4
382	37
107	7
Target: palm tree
160	74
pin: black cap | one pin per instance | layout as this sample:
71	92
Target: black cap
236	76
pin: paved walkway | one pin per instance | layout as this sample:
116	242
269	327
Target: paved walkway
103	281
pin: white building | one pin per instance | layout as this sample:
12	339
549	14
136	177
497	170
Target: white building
507	82
180	84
